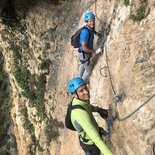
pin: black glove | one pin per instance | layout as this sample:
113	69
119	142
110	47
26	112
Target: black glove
102	132
99	34
103	113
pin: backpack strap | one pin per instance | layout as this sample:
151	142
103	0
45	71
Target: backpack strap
81	107
78	107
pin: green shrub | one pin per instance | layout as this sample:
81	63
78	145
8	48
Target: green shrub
4	106
45	64
33	86
47	46
1	62
140	12
27	124
126	2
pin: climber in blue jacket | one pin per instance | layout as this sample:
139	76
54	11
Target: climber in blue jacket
86	50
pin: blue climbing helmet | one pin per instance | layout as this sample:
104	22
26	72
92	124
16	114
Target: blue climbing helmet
75	83
89	16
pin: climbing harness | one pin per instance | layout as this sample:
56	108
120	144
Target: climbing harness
110	121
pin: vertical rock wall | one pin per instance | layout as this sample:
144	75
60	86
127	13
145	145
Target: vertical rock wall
39	60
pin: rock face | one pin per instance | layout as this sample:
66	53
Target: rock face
37	61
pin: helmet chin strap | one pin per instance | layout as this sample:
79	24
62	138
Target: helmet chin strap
77	95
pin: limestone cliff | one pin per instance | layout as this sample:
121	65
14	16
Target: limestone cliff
37	60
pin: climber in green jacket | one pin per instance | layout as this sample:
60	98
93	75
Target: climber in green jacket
90	135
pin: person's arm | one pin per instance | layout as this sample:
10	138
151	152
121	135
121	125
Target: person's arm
84	38
103	112
86	49
88	125
94	108
98	34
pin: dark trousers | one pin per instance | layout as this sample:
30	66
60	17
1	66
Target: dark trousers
93	149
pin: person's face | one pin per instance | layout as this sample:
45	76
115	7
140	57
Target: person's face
83	93
91	23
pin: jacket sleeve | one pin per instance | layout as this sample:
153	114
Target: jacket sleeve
94	108
88	125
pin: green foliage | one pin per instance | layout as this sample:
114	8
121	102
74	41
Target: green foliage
4	124
45	64
140	12
55	2
47	46
4	106
34	2
1	62
41	149
33	86
27	124
3	74
13	143
126	2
